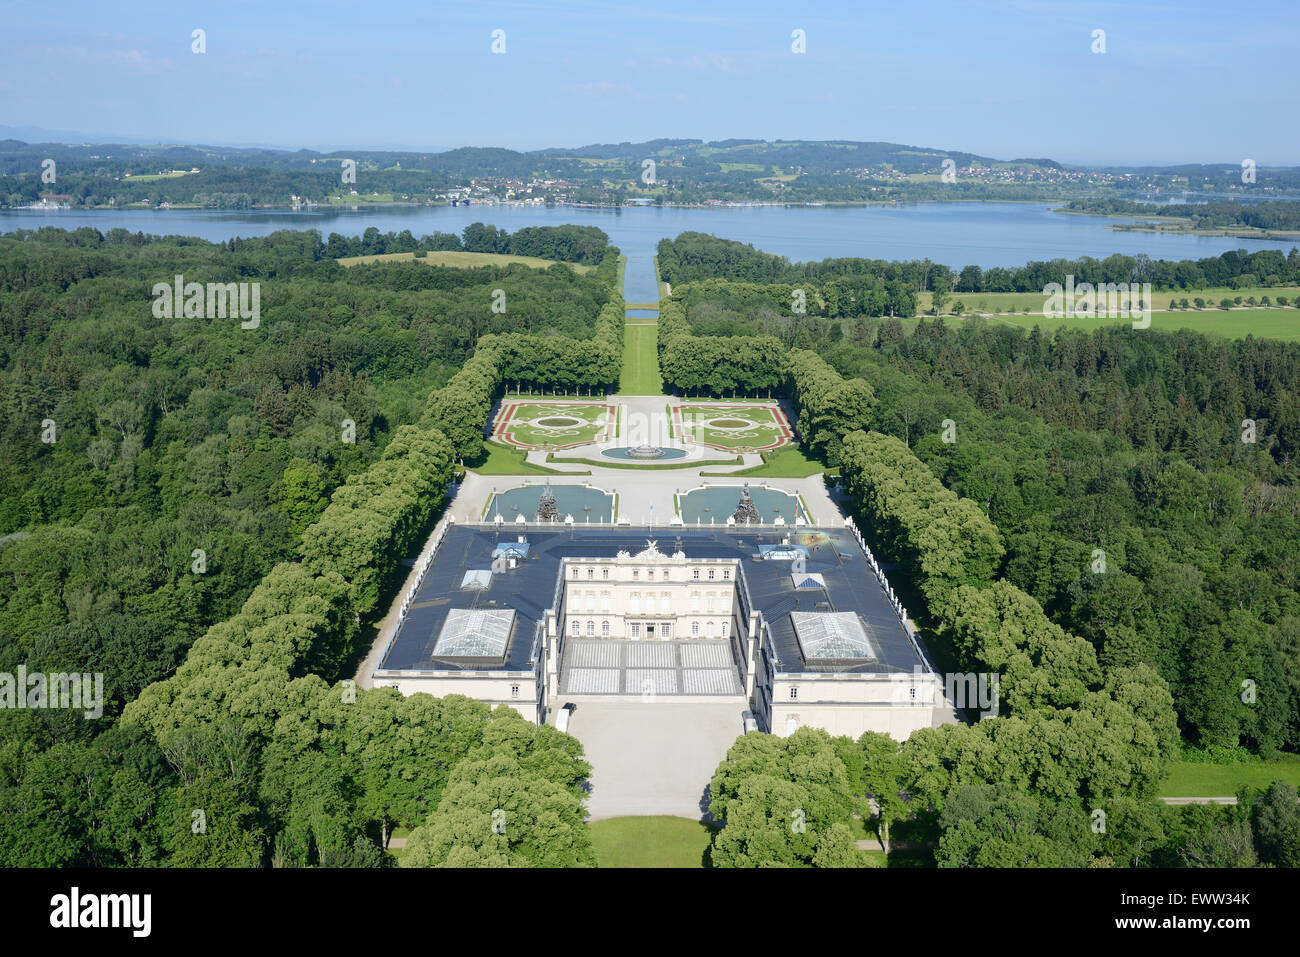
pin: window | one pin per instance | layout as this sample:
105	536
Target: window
650	604
604	601
650	574
591	601
573	627
695	629
636	630
575	571
709	629
695	601
666	630
591	629
726	574
724	628
710	574
709	601
636	574
604	574
514	691
591	573
794	694
695	574
604	629
635	602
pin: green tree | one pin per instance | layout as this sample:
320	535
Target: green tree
1276	820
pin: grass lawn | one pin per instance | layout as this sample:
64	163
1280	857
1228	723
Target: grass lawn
505	461
1006	301
1189	779
1275	322
658	841
859	829
787	462
1232	324
640	374
152	177
461	260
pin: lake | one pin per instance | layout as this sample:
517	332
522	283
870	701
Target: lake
956	234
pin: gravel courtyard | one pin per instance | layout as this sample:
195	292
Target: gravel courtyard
653	758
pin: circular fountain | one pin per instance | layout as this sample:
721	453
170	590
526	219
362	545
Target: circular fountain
643	453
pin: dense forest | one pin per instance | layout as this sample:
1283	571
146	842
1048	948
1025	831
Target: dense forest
1173	454
694	257
211	516
571	244
965	800
1097	517
1278	215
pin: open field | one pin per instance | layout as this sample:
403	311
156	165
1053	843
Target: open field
366	199
1232	324
553	425
748	427
461	260
654	841
1189	779
640	375
152	177
1019	301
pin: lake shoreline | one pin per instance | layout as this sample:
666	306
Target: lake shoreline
956	234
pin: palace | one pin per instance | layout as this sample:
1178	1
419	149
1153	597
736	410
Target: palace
793	626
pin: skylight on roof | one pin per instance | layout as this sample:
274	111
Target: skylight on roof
832	636
475	633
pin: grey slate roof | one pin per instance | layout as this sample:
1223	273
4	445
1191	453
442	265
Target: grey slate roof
531	587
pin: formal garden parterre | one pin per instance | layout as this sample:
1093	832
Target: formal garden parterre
536	424
747	427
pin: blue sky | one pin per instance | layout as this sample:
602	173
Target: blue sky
1190	81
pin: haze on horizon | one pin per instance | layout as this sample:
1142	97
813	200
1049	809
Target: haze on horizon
1179	82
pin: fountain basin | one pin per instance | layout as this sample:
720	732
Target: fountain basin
643	453
718	502
584	504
